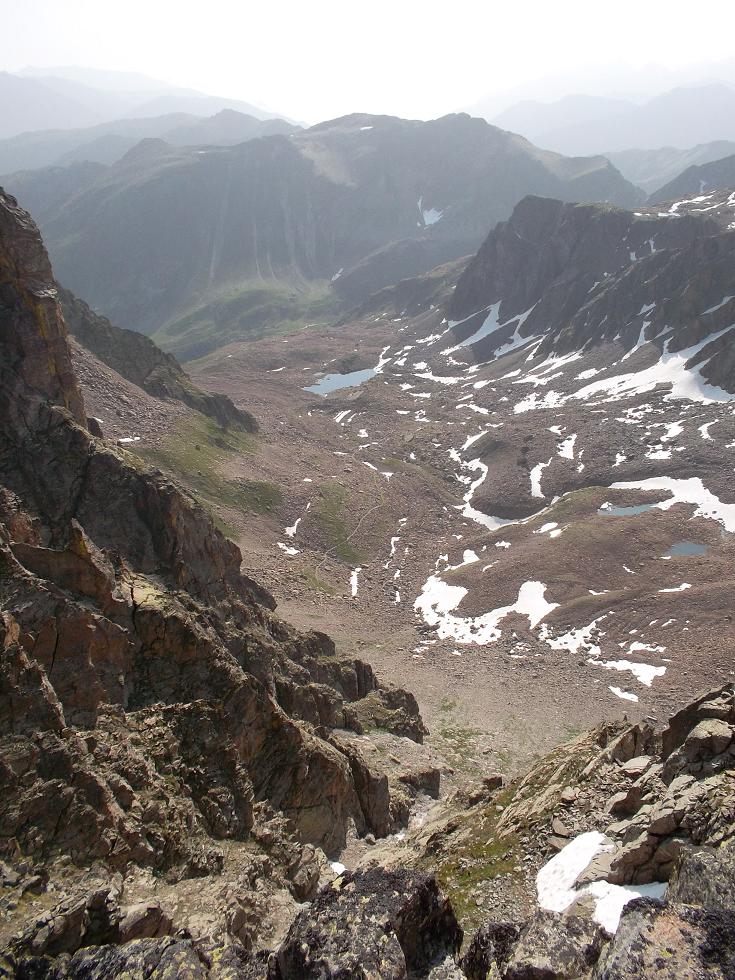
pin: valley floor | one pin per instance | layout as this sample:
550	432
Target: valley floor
369	498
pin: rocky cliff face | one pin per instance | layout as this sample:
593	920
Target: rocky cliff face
581	276
210	240
36	364
155	714
136	357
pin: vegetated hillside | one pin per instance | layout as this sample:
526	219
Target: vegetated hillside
205	246
108	142
681	117
652	169
698	181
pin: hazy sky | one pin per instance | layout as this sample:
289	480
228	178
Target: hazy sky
316	59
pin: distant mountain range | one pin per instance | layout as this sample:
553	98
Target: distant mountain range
699	181
203	246
584	124
617	82
108	142
73	98
652	169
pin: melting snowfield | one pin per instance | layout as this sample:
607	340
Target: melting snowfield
437	400
555	882
690	491
438	600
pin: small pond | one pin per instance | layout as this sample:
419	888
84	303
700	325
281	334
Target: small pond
611	510
684	549
333	382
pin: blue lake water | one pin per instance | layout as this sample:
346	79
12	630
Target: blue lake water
613	511
333	382
685	549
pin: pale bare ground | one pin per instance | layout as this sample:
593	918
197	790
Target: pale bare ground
502	703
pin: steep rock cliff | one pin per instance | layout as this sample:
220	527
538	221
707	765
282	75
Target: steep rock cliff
151	703
135	357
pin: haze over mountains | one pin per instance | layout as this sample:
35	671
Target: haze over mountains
199	246
108	142
683	117
460	406
72	98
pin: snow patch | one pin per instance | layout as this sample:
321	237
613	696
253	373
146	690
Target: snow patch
555	882
624	695
438	600
686	491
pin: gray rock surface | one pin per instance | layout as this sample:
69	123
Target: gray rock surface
374	923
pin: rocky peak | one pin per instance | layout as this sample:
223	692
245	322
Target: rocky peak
35	365
573	276
550	246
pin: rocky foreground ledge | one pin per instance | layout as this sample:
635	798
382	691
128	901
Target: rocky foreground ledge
396	924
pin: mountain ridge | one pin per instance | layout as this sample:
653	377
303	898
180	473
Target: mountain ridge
681	117
258	224
34	101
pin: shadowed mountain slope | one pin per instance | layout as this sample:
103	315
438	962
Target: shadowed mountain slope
204	246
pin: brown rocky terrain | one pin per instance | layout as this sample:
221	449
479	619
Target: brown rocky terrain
156	716
395	922
178	764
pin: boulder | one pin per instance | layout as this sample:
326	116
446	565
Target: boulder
704	876
626	802
709	737
719	704
373	923
155	959
669	942
637	766
426	780
630	857
490	949
94	427
555	947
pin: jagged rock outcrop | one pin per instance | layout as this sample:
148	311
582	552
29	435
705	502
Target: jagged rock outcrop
690	934
651	793
35	365
153	710
575	276
388	924
670	941
135	357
